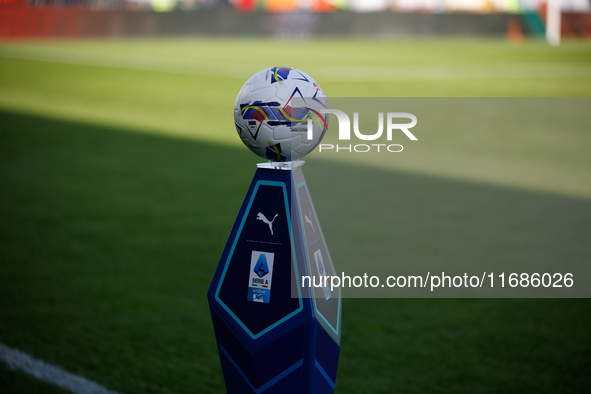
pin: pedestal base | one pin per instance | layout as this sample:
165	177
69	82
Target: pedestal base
276	332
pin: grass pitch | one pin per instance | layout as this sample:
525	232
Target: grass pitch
121	175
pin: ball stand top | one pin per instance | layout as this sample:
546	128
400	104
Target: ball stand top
281	165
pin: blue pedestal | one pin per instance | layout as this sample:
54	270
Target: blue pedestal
273	334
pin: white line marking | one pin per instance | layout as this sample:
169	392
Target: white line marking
19	361
130	61
448	72
230	69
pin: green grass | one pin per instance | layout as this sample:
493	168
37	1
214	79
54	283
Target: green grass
119	186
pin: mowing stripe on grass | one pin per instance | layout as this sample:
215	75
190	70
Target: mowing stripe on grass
130	61
19	361
231	69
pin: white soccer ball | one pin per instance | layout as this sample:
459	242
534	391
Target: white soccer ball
274	111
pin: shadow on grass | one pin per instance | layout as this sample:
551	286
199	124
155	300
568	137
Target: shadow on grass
108	241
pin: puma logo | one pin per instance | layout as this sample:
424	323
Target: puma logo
309	221
262	217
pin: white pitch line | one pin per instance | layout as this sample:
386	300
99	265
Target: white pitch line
19	361
447	72
224	69
130	61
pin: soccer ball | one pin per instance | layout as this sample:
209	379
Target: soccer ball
277	111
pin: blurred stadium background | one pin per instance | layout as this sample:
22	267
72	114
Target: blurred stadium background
288	18
121	175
